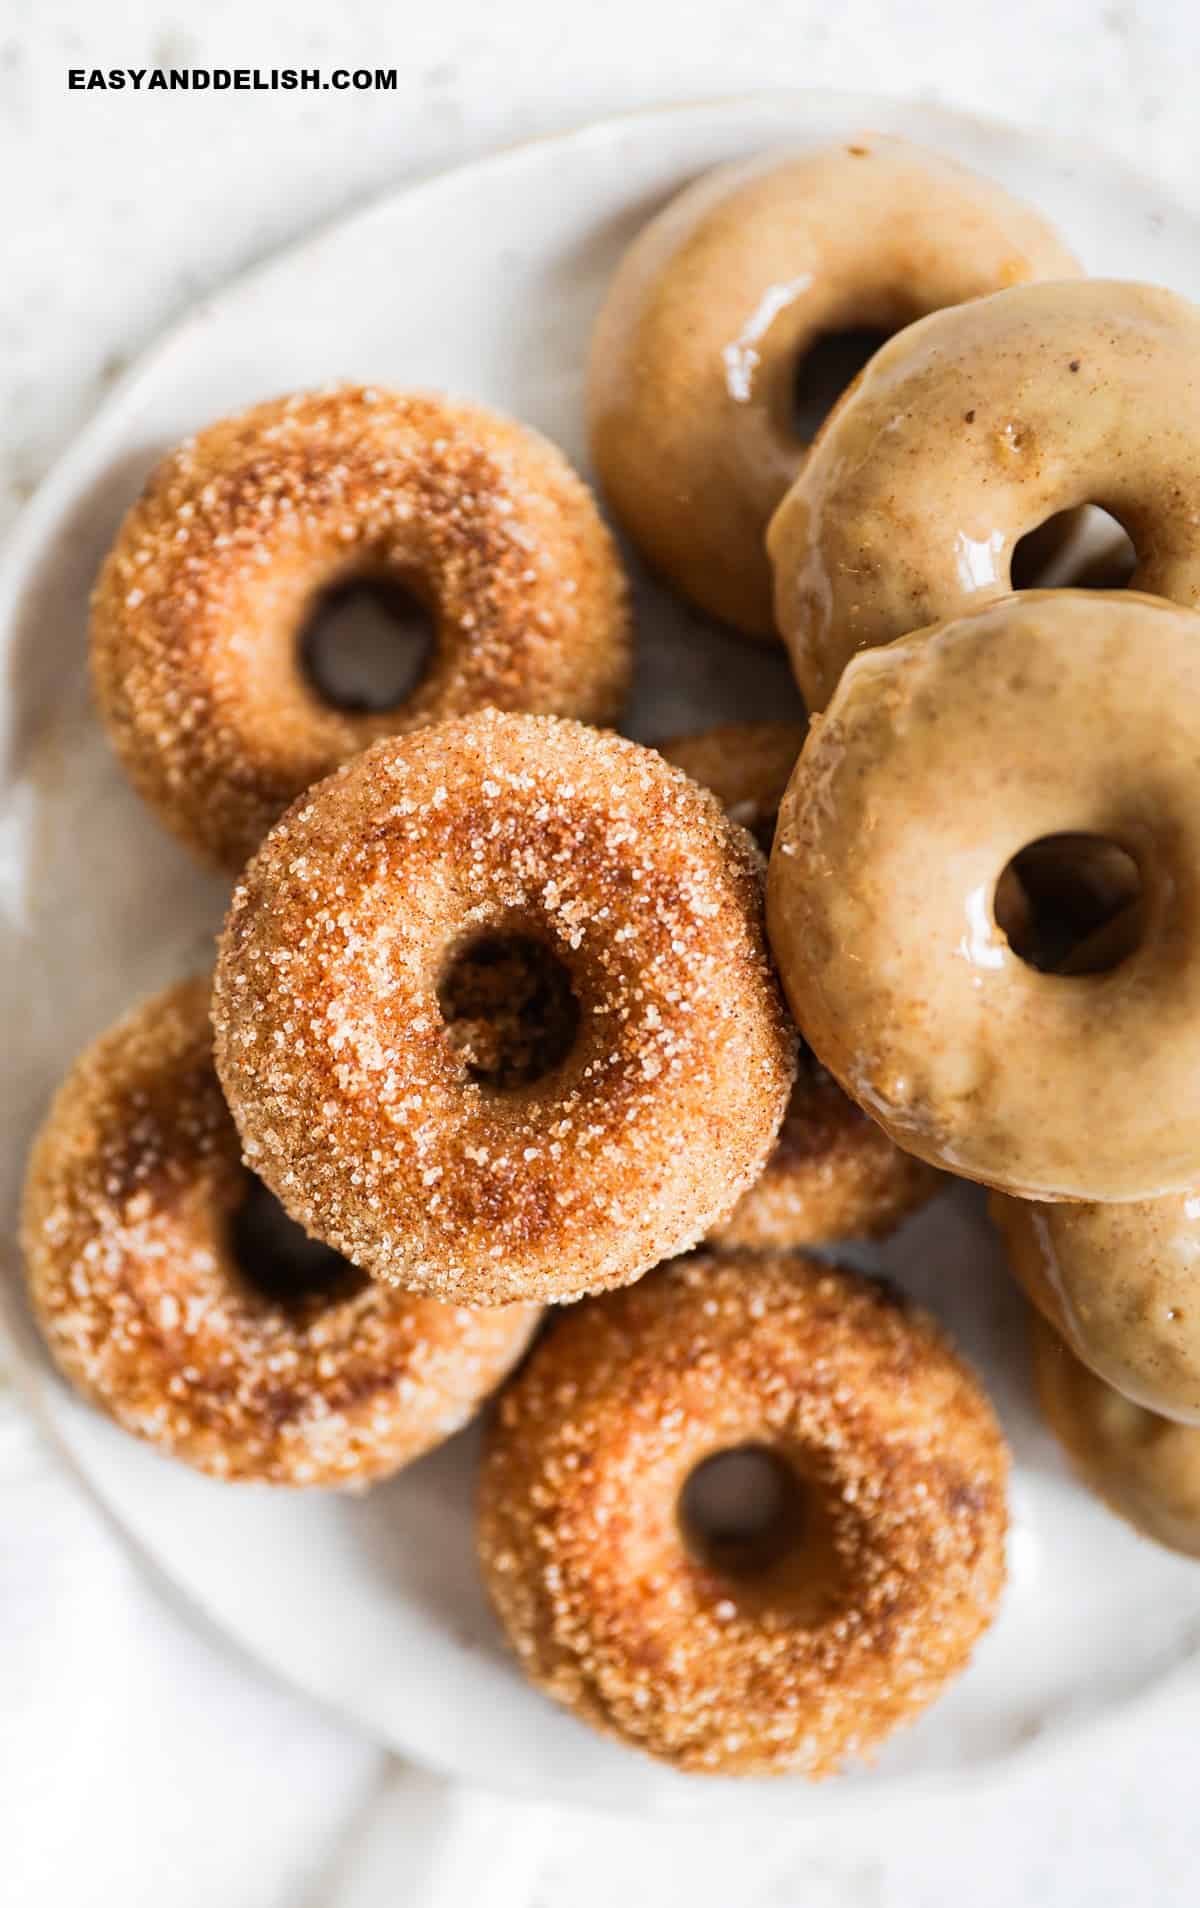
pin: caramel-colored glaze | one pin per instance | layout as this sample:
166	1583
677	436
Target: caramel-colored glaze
939	758
877	1599
128	1231
693	360
968	431
200	607
1121	1283
1146	1468
833	1174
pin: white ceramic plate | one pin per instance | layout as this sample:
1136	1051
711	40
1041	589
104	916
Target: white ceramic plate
484	282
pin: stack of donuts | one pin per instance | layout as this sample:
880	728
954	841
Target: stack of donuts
521	1072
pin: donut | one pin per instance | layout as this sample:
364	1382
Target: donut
833	1174
200	610
1145	1468
970	430
169	1299
714	1645
699	353
495	1014
1118	1283
1066	717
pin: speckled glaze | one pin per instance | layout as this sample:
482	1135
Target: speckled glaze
972	428
694	356
938	759
1145	1467
1121	1284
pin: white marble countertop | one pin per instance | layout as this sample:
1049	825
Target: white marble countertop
121	211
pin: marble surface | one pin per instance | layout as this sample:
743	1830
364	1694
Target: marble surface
121	211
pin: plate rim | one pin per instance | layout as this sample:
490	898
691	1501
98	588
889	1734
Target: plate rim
33	1376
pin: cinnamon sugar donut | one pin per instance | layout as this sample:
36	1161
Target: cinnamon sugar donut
1048	716
200	608
165	1299
693	374
494	1011
970	430
1145	1468
727	1650
1119	1284
833	1174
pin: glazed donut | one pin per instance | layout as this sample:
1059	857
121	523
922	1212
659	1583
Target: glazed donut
970	430
797	1646
940	759
1118	1283
166	1302
495	1015
1145	1468
833	1173
692	378
199	611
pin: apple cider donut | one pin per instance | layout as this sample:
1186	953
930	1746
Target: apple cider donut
796	1639
700	352
171	1299
1066	720
969	431
201	607
1145	1468
495	1014
833	1174
1119	1284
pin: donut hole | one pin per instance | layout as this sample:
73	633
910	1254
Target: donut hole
744	1512
280	1263
509	1007
1085	549
366	643
822	373
1071	904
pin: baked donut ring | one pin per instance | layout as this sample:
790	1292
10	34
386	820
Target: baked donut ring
1119	1284
970	430
634	1080
803	1644
166	1303
199	610
940	759
1145	1468
692	378
833	1174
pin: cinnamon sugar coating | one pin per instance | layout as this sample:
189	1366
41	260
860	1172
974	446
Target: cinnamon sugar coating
133	1187
852	1630
198	610
360	1111
833	1174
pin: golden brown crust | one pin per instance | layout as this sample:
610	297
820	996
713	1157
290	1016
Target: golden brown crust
1146	1468
198	608
694	357
358	1110
833	1173
132	1184
903	1470
969	430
